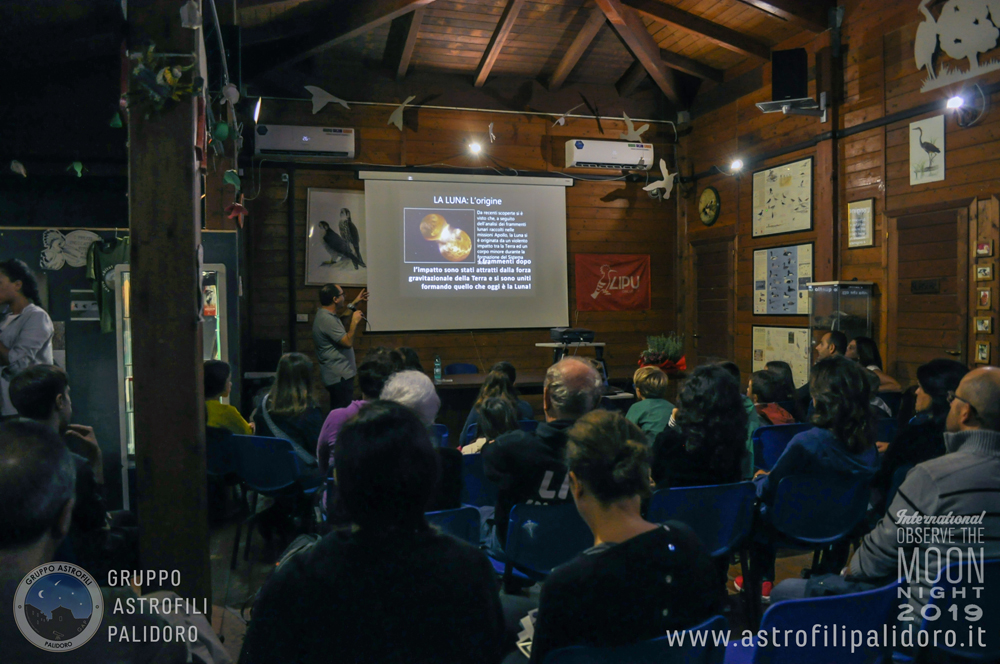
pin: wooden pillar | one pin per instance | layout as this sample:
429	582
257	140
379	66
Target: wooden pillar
165	222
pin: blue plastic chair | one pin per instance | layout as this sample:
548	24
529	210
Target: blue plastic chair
770	441
460	368
814	511
461	523
660	650
892	399
542	537
220	454
439	435
527	425
476	489
864	611
471	433
721	515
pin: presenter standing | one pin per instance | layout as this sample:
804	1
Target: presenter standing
335	345
25	328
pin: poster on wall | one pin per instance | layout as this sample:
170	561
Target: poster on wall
335	238
785	344
612	282
782	198
861	223
927	150
780	275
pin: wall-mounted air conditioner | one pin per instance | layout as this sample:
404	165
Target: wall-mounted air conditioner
292	142
586	153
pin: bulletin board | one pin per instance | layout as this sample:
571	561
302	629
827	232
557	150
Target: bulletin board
785	344
782	198
780	278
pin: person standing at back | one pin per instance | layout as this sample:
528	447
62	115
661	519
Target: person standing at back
335	345
25	328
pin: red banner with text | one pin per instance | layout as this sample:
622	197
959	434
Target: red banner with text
612	282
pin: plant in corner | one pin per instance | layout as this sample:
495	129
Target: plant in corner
664	351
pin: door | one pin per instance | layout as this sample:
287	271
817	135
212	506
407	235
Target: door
714	303
928	270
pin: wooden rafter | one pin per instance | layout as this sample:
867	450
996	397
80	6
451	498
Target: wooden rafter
715	33
581	42
690	66
633	32
498	39
813	15
631	79
402	39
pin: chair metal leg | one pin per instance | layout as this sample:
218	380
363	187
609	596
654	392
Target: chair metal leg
236	545
250	524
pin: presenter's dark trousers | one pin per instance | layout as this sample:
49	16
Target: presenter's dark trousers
341	393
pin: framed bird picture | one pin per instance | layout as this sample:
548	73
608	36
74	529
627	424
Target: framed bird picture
927	150
782	198
336	251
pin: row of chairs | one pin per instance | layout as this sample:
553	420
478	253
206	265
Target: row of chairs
770	441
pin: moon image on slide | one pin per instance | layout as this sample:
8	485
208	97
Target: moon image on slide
453	243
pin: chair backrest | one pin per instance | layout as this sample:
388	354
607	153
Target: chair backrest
541	537
476	489
527	425
814	510
461	523
471	433
885	429
863	611
721	515
439	435
661	650
770	441
967	608
265	465
892	399
460	368
220	453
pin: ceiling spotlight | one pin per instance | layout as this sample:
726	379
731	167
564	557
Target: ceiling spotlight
955	103
256	109
475	148
737	165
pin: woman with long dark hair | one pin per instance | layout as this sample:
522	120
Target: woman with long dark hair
705	440
784	372
25	328
499	382
864	351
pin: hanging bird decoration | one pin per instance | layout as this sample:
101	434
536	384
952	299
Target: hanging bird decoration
321	98
18	168
190	15
397	115
338	247
77	167
233	178
666	184
593	111
633	134
931	149
493	137
349	232
561	120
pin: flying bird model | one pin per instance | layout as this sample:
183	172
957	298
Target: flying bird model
633	134
397	115
666	184
321	98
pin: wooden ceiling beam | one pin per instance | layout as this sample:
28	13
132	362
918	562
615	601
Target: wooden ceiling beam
499	38
715	33
644	48
580	44
402	39
631	79
812	15
690	66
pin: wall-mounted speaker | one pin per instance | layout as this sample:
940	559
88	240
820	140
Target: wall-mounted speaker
789	74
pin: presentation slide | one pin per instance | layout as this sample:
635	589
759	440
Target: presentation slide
457	252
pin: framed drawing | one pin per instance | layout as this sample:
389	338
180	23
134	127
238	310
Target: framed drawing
861	223
982	352
335	238
984	272
927	150
788	344
984	298
984	324
782	198
780	275
984	249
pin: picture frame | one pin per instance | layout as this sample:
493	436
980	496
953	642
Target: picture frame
984	249
984	272
984	298
984	324
787	344
783	198
982	352
330	257
927	150
861	223
780	275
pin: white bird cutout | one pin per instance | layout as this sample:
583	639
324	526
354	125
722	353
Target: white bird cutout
633	134
321	98
561	120
397	115
493	137
666	184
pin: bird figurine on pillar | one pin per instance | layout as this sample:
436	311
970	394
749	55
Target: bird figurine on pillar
340	247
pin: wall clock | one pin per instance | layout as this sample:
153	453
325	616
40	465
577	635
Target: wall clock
708	205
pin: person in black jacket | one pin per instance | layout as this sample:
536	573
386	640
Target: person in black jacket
531	466
706	439
394	590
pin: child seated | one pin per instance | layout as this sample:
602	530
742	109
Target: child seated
765	389
218	384
651	412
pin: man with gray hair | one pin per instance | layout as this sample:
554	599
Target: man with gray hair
530	467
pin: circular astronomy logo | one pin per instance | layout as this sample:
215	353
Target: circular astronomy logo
58	607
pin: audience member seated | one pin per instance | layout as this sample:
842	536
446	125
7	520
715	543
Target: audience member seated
784	372
705	442
753	419
640	579
864	351
37	492
499	382
840	445
962	482
218	383
394	590
907	407
921	438
764	389
831	344
495	416
530	465
879	408
411	361
373	372
288	410
415	390
651	412
392	355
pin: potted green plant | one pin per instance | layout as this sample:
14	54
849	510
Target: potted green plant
666	352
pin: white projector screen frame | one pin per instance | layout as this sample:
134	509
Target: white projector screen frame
464	252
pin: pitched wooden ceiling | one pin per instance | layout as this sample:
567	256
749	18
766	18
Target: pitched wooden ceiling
671	43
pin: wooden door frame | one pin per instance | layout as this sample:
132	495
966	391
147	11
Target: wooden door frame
691	323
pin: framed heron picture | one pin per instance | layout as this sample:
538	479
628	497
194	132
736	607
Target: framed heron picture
927	150
335	238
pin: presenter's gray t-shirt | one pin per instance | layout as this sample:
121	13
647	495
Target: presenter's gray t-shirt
336	362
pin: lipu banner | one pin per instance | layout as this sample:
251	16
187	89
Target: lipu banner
612	282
